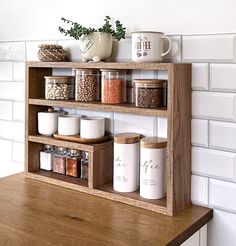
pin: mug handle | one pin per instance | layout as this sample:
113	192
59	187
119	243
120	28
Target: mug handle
165	53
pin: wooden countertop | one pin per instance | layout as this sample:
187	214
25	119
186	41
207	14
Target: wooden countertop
36	213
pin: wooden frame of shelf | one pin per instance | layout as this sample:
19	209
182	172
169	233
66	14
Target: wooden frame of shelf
178	114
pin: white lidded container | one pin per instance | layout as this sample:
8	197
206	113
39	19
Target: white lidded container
153	167
46	157
92	127
69	125
48	122
126	162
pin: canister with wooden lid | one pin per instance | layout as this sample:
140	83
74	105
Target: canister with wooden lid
126	162
153	167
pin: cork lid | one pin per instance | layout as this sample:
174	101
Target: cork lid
58	77
153	142
127	138
150	81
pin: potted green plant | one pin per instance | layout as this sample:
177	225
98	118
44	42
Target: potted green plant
95	44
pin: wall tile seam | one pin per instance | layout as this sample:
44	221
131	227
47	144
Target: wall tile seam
12	139
17	121
218	91
209	118
12	100
12	81
208	148
204	175
231	211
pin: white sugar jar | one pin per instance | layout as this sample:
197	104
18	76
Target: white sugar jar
126	162
153	167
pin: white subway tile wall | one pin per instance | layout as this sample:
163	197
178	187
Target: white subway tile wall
213	123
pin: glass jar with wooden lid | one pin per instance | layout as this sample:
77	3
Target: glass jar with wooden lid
153	167
150	93
126	162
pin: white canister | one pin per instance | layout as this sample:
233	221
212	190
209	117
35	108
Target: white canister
153	167
69	125
92	127
126	162
148	46
48	122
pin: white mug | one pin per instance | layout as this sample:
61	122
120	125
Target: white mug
148	46
69	125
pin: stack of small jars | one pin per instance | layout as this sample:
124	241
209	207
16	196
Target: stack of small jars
65	161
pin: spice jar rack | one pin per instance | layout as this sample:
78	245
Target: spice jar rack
177	112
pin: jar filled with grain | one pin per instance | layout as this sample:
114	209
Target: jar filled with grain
113	86
87	85
150	93
59	160
59	87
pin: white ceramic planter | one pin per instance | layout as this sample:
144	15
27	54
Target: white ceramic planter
48	122
92	127
69	125
95	46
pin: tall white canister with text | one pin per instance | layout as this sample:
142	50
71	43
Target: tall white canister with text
153	167
126	162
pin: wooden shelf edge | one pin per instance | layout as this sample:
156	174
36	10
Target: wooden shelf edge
128	108
67	144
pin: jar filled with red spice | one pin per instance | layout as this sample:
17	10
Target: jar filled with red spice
113	86
73	163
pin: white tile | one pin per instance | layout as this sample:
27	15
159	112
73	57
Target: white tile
32	48
12	90
199	76
162	127
192	241
5	152
121	50
5	71
72	49
223	135
209	47
223	77
222	229
162	75
5	110
12	51
18	71
214	163
18	152
203	236
12	130
175	53
63	72
222	195
199	190
134	123
11	168
107	115
200	132
19	111
214	105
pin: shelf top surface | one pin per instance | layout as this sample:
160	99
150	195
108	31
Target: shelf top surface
85	219
105	65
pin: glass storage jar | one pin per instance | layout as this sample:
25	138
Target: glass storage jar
73	163
113	86
84	165
59	160
87	85
59	87
46	155
150	93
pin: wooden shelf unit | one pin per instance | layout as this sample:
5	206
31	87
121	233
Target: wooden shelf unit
178	114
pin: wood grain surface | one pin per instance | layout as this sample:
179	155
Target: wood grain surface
34	213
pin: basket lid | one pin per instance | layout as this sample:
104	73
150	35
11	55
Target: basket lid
127	138
153	142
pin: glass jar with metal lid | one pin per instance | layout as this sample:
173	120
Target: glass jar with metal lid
113	86
150	93
87	85
59	87
153	159
59	160
73	163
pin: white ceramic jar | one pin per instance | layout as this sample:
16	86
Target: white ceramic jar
126	162
69	125
48	122
153	168
92	127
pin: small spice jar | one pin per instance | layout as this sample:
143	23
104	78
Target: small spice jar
126	162
73	163
153	167
86	85
59	160
85	165
113	86
59	87
46	157
150	93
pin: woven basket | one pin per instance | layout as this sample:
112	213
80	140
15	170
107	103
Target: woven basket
51	53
